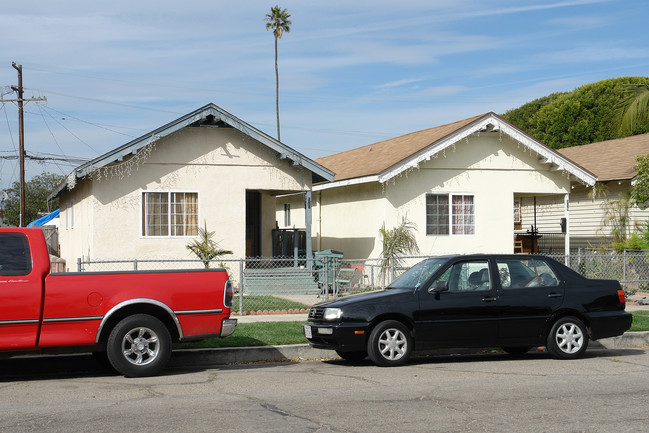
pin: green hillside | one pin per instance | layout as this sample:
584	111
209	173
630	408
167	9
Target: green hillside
585	115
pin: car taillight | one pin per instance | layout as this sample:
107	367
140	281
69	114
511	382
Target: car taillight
620	294
228	295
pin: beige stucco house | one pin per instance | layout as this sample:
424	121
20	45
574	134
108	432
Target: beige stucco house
613	162
147	198
458	183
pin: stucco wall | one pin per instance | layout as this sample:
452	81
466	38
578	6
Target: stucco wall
491	167
220	164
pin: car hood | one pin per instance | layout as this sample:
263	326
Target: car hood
362	297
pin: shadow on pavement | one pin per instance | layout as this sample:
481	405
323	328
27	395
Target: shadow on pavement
494	355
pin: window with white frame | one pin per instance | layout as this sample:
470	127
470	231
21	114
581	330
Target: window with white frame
450	214
169	213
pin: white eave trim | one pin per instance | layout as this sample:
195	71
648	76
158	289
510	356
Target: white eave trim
346	182
494	123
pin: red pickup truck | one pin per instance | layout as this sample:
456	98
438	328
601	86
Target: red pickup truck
131	318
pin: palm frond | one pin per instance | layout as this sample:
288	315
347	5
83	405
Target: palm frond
205	248
634	107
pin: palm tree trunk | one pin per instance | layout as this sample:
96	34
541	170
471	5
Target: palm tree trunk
277	90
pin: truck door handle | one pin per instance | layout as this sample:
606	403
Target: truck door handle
555	295
488	299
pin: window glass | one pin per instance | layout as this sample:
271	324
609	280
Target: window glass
15	258
467	276
463	215
184	214
437	214
418	274
169	214
450	214
521	273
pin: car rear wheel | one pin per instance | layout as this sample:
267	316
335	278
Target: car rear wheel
139	345
390	344
355	356
568	338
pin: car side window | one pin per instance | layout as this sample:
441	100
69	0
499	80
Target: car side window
15	258
524	273
467	276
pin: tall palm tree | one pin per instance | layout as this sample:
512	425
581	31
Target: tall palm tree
634	107
278	22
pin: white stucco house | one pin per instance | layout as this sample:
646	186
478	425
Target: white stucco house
461	184
147	198
613	162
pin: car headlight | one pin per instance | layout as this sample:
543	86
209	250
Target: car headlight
332	313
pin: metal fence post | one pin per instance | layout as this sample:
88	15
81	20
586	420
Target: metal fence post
623	265
78	264
241	287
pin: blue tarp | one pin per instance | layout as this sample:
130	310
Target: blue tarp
44	219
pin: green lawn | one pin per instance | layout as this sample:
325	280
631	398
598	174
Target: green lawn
278	333
640	321
255	334
260	303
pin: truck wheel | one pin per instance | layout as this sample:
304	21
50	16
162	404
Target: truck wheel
568	338
390	344
138	346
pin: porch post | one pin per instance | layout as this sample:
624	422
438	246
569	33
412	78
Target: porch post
307	213
566	201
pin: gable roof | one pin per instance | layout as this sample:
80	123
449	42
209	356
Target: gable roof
379	162
612	159
209	114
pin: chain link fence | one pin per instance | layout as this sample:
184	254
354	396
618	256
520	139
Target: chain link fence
287	285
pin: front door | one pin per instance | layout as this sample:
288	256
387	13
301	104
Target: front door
253	224
464	312
20	294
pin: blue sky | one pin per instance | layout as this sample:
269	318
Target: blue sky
351	73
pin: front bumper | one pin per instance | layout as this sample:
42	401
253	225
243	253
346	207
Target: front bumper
342	336
228	326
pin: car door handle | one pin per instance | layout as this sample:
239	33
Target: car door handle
555	295
488	299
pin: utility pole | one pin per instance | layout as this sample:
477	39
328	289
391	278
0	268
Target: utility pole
21	129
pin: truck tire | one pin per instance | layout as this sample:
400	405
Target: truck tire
138	346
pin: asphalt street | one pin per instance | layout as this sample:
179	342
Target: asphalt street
606	391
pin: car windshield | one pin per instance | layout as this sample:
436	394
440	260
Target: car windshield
418	274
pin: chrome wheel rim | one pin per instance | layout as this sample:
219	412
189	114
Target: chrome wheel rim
140	346
393	344
569	338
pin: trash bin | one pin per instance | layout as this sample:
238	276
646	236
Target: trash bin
326	261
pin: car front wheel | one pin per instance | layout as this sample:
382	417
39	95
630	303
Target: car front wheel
139	345
568	338
390	344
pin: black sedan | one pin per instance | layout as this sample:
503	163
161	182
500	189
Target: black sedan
511	301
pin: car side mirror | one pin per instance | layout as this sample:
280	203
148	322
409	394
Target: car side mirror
438	287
